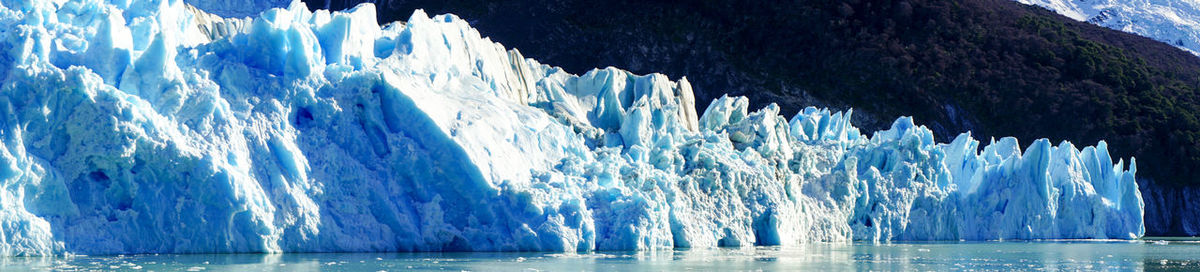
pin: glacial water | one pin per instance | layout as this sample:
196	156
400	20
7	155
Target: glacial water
1151	255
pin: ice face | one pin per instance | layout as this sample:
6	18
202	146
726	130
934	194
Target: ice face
152	127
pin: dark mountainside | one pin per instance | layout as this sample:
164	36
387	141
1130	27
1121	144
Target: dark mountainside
995	67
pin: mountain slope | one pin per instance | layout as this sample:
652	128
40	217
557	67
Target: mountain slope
994	67
1175	22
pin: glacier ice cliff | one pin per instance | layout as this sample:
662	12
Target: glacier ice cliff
152	127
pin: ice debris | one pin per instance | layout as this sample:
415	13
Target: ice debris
131	126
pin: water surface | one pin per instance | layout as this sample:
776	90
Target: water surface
1152	255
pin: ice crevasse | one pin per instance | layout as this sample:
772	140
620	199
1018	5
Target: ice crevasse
130	126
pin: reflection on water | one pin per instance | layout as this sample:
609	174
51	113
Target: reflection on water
1032	255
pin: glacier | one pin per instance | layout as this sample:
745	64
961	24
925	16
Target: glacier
1175	22
150	126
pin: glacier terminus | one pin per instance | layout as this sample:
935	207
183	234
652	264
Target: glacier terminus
150	126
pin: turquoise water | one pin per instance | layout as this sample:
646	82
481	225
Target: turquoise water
1152	255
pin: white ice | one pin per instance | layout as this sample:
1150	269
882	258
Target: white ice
131	126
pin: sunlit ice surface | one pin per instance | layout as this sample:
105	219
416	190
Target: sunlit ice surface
154	127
